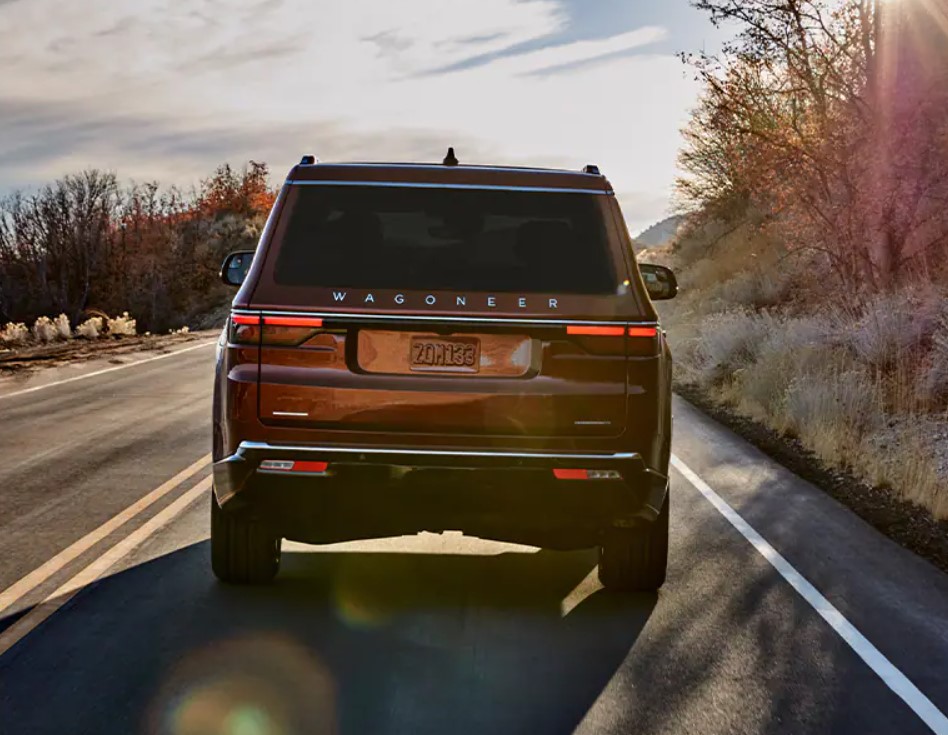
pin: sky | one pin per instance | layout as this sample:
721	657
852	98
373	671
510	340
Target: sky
169	89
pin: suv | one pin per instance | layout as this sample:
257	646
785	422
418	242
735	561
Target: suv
443	347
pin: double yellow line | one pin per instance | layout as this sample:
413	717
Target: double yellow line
11	595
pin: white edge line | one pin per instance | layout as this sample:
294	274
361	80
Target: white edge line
18	589
872	656
104	370
29	622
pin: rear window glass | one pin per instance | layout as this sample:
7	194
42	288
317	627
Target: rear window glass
443	238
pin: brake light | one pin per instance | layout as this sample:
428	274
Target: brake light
643	331
292	321
289	331
244	329
587	330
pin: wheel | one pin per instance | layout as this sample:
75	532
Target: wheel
635	559
242	552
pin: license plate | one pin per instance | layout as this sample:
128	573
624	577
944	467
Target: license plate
455	354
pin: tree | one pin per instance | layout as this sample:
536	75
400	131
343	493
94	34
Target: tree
807	117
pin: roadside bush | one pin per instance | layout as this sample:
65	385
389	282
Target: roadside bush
91	328
121	326
63	329
14	334
831	410
893	325
44	330
933	384
725	342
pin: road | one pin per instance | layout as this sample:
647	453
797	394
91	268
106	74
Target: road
126	631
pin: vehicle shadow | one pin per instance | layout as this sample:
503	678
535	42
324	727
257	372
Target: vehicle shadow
343	642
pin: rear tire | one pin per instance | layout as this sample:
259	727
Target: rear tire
242	552
635	559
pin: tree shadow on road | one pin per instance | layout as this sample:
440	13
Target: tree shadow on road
354	642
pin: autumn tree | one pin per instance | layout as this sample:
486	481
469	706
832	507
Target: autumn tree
825	117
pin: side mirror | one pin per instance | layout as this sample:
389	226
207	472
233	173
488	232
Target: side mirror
660	282
235	267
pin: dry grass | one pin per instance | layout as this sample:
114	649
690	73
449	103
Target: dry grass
863	389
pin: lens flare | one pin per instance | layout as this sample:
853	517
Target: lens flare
254	685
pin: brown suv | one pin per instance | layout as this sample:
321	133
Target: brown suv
443	347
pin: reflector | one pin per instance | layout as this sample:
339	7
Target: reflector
570	474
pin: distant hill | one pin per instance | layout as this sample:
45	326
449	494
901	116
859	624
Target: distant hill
659	233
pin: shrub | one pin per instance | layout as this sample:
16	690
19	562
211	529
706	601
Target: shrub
933	381
892	326
14	334
63	330
44	330
122	325
726	342
831	410
90	329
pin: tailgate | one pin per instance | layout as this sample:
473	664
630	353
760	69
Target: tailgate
490	378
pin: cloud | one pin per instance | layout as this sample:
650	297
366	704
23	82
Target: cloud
44	140
169	88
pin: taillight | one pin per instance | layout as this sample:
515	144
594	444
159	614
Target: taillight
287	465
643	341
569	474
643	331
619	339
588	330
273	329
599	339
289	331
244	329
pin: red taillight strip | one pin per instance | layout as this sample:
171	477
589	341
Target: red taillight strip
561	474
310	466
284	465
245	319
293	321
593	331
643	331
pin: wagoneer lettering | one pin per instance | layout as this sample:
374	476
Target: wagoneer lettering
455	348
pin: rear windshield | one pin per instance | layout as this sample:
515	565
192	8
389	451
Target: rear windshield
443	238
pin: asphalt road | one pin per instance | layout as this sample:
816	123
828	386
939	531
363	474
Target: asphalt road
127	631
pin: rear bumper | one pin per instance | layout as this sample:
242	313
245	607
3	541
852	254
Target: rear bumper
375	491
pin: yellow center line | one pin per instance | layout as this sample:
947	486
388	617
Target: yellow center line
29	622
15	592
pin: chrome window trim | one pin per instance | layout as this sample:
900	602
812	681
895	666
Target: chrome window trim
267	447
441	318
432	185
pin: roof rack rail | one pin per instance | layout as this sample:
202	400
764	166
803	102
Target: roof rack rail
308	160
591	168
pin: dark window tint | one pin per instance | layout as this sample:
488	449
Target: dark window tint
443	238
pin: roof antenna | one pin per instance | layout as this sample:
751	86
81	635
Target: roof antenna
450	159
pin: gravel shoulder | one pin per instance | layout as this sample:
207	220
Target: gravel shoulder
38	365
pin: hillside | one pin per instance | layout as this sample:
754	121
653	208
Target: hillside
659	233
